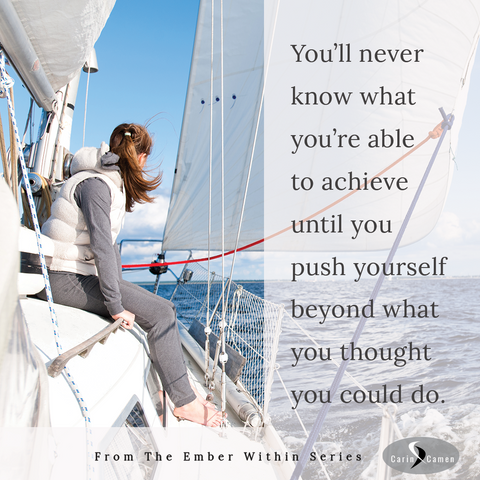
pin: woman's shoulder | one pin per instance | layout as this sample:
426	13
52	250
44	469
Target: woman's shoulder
93	189
88	158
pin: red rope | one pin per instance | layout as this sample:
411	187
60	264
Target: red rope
433	134
193	260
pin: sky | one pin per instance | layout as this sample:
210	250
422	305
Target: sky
144	58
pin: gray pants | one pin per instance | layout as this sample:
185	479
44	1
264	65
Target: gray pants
154	314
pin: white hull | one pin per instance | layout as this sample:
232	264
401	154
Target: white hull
112	380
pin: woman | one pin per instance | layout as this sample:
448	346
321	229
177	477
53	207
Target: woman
86	269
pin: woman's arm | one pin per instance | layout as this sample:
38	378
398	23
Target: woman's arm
93	197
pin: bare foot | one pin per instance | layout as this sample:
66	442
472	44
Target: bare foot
196	412
202	400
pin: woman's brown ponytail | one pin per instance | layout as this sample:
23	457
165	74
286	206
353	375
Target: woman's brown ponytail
128	141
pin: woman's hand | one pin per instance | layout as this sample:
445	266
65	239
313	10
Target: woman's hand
128	319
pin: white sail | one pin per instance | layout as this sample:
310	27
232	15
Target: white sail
424	58
187	224
395	63
23	377
49	41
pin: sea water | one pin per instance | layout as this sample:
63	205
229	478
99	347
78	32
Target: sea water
445	367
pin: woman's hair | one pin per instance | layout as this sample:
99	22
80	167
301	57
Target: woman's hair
128	141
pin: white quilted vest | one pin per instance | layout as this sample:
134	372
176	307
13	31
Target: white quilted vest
66	226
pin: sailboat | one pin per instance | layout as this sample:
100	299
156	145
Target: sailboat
108	404
119	389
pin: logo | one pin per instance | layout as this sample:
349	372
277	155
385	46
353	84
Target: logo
420	455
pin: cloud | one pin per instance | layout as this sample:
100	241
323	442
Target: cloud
140	252
473	229
453	229
449	227
147	220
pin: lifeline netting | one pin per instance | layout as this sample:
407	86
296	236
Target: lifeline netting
253	325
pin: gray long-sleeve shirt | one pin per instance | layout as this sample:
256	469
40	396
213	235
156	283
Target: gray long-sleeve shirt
93	197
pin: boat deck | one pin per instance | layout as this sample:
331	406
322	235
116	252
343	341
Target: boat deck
112	380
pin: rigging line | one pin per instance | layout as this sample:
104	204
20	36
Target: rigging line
432	134
3	153
85	113
337	364
338	377
14	137
29	121
223	356
66	371
210	382
301	423
244	200
235	306
254	144
384	408
221	343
